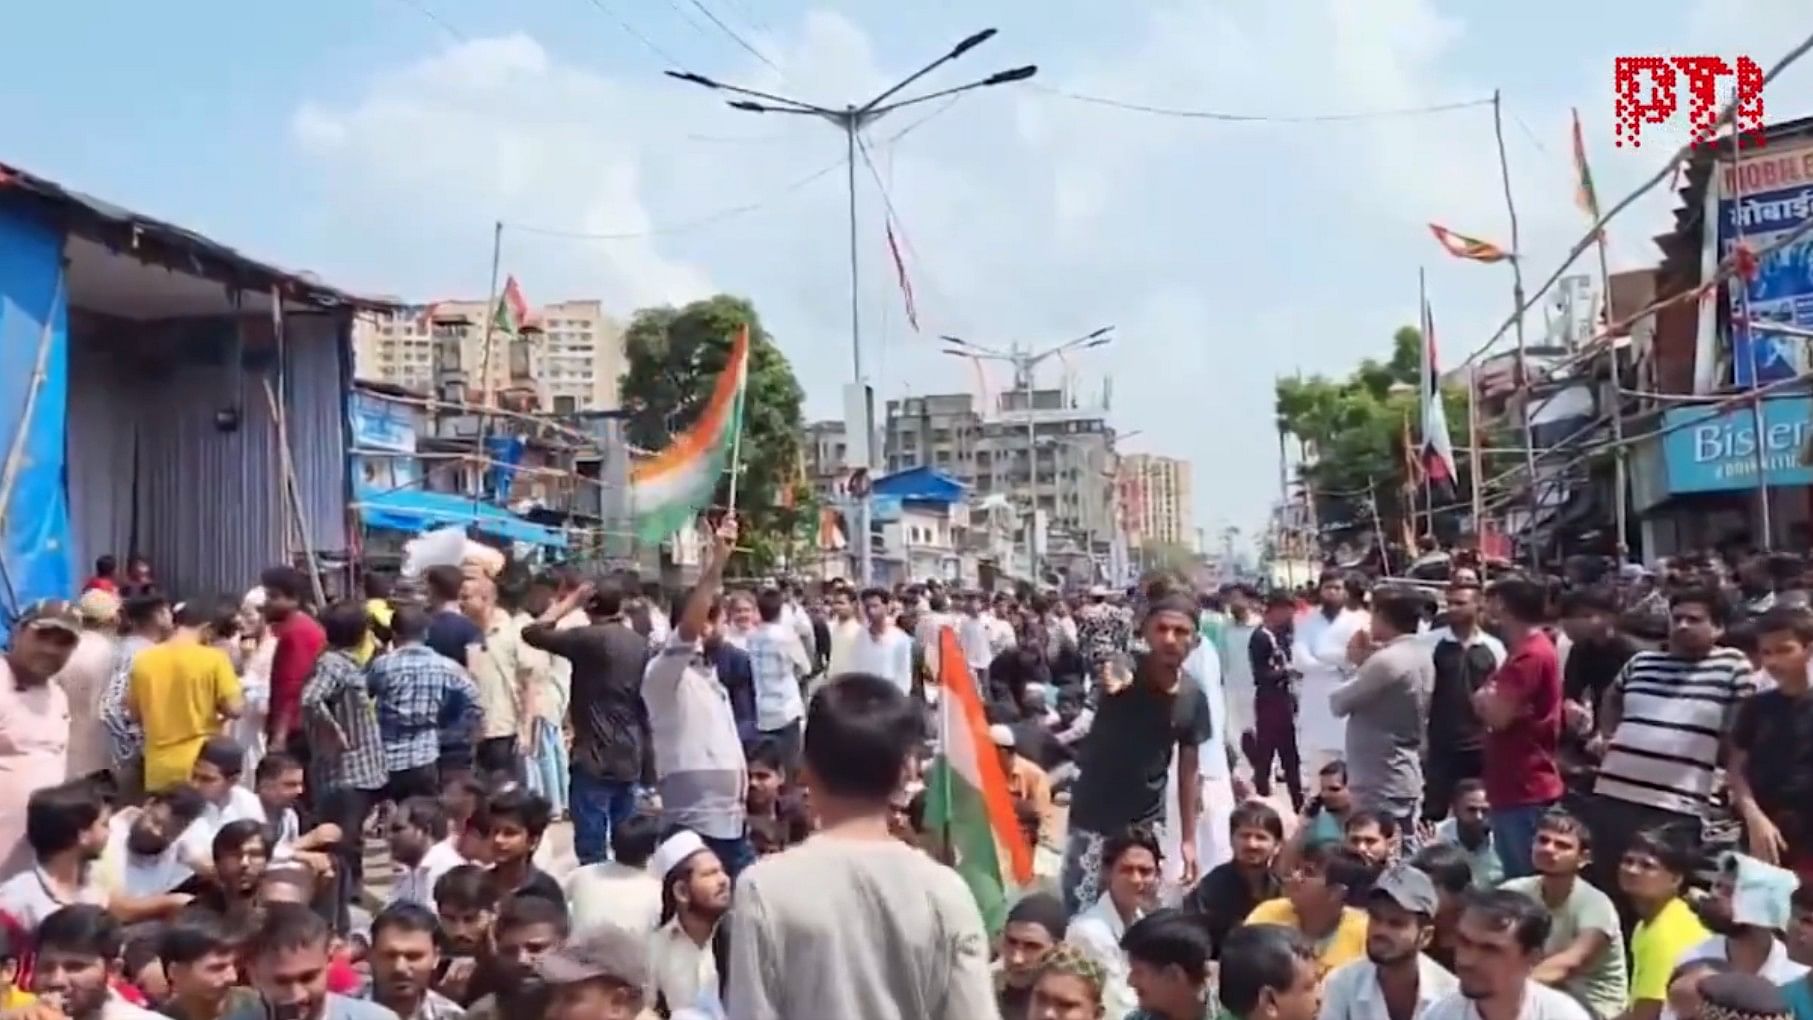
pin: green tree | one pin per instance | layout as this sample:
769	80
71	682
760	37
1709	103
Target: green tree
1352	432
674	355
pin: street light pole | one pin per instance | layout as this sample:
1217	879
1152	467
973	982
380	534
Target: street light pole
1024	362
851	120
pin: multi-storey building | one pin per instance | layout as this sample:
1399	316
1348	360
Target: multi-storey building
1071	450
1157	497
570	354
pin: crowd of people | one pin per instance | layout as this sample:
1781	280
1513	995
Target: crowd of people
1531	799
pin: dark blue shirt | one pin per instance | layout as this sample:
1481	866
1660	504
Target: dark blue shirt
450	633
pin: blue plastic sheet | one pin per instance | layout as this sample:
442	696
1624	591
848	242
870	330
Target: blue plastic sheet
35	550
413	511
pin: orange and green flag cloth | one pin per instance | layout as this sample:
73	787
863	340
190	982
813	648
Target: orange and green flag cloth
1584	195
511	311
1463	247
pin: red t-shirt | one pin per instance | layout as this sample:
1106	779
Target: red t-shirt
1520	767
300	641
103	583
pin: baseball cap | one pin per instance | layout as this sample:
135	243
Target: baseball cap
1408	887
602	952
98	606
51	614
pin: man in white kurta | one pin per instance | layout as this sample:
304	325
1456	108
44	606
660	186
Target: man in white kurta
1214	844
1319	652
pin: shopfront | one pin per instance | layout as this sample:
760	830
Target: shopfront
1695	485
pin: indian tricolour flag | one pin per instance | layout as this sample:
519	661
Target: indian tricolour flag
967	801
668	490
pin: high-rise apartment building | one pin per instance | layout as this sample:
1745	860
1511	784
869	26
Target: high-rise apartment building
1156	499
571	355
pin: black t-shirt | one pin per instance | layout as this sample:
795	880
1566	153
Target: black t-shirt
1126	758
1776	728
610	724
449	633
1224	899
1460	671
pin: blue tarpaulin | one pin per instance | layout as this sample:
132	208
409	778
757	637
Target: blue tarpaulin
35	549
414	511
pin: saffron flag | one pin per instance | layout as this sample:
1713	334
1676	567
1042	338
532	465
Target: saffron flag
966	799
900	275
1437	451
668	490
1584	195
1463	247
511	311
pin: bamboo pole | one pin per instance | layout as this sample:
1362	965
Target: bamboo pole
1523	364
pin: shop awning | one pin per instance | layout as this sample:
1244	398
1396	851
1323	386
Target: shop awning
414	511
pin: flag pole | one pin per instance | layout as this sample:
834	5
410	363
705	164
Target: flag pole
1475	462
484	421
1758	422
1523	365
736	438
1620	463
1425	391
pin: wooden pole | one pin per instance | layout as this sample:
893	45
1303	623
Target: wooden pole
1427	391
1620	455
1475	459
484	421
1765	525
1523	364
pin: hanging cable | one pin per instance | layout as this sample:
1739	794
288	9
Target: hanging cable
1255	118
736	38
682	226
631	30
425	11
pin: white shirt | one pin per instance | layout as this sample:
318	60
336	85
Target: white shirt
843	645
197	841
679	969
136	875
28	897
416	885
1351	992
777	661
889	656
1320	646
1777	969
973	635
614	894
1097	932
1540	1002
1000	635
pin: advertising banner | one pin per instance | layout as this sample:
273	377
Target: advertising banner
1717	452
1767	196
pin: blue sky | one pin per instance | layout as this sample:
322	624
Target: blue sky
362	140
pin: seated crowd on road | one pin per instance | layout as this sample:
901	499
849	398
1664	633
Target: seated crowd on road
495	792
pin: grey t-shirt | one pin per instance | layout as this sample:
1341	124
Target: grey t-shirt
856	928
1604	986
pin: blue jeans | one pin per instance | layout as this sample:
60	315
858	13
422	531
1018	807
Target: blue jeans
598	806
735	854
1514	835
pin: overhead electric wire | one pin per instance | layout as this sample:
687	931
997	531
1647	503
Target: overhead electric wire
735	37
1256	118
1726	116
634	33
425	11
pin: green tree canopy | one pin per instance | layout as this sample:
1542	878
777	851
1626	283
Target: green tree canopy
674	355
1353	430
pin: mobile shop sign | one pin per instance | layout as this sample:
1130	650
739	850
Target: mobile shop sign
1717	452
1763	198
1646	90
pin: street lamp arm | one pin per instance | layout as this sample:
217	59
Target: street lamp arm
749	106
871	113
958	50
710	83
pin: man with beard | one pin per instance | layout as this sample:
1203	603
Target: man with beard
1150	708
1469	826
78	953
1584	955
1034	927
1502	934
289	961
34	718
1395	980
1748	905
142	859
1319	653
404	956
695	895
1230	891
466	901
420	849
241	853
528	928
1464	657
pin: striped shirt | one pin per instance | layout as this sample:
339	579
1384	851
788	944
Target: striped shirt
1665	751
